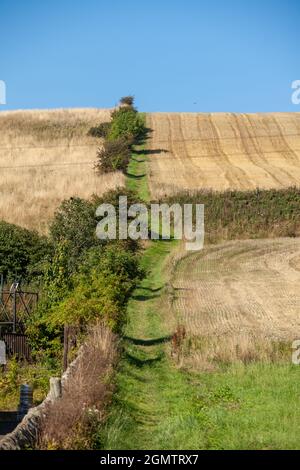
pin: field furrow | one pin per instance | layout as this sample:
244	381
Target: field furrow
250	285
222	151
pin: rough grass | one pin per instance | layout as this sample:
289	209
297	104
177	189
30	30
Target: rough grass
45	157
37	375
69	422
158	405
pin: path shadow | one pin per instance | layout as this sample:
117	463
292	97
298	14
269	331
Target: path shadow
142	362
150	151
142	139
143	298
148	342
135	177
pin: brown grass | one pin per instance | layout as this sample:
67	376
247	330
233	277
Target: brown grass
45	157
210	352
68	423
238	300
222	151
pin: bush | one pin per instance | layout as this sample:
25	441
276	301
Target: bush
114	155
75	223
127	101
45	338
101	291
126	123
113	259
22	252
100	131
112	197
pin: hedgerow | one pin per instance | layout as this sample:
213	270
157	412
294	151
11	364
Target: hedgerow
125	129
22	252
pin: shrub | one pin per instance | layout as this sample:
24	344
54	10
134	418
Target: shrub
113	259
127	123
127	100
114	155
101	291
100	131
112	197
45	337
22	252
100	296
75	223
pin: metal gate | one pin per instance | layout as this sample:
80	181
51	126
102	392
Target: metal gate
15	307
17	345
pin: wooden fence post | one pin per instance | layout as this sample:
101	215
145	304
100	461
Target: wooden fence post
66	347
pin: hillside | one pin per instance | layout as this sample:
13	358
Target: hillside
45	157
223	151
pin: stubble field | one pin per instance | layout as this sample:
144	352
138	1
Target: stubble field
223	151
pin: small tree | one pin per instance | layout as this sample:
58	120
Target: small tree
114	155
127	101
100	131
75	223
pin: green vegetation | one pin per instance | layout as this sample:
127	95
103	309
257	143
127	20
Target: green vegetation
137	175
74	223
127	123
157	405
246	214
160	406
101	130
37	374
126	128
113	155
22	252
123	288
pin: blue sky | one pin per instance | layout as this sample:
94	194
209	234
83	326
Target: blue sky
173	55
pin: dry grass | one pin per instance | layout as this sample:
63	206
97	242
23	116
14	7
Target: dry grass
69	422
223	151
207	353
238	300
45	157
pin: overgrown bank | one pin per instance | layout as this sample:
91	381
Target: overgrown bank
83	281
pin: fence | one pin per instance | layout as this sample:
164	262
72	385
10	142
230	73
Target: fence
17	345
16	306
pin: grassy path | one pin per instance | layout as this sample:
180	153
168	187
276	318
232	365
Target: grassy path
152	395
157	406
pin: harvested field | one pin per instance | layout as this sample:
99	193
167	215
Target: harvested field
223	151
248	287
45	157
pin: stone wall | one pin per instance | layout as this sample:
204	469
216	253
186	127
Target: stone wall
26	434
